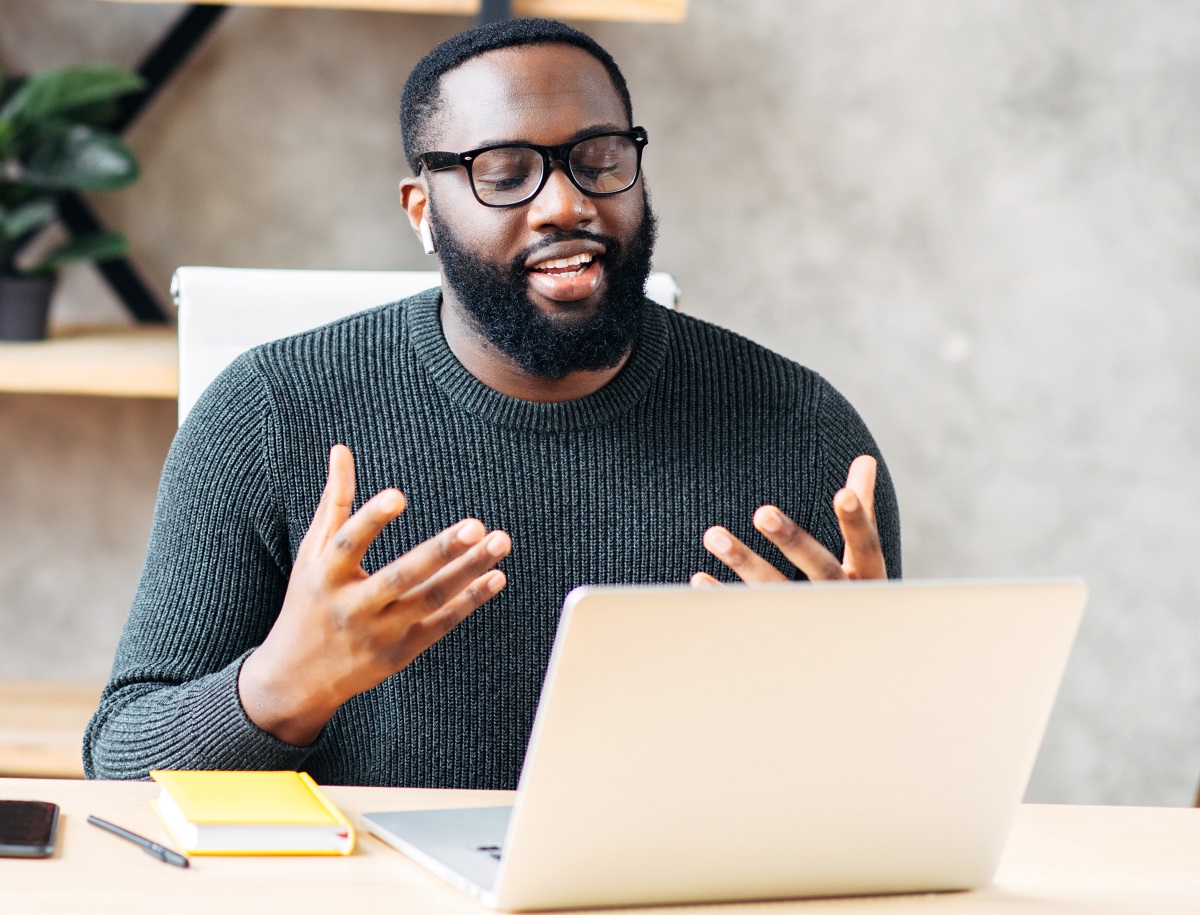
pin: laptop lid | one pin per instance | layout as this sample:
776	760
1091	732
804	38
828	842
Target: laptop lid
782	741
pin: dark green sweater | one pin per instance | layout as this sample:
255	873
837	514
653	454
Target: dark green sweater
700	428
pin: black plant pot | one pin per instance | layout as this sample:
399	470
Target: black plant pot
24	306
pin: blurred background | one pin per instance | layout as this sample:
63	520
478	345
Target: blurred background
980	221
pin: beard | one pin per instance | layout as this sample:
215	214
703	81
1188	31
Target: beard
545	346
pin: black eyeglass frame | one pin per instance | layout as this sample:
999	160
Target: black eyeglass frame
441	161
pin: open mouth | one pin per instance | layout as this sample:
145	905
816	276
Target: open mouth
568	278
565	266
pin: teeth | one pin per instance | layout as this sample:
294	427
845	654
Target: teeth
564	262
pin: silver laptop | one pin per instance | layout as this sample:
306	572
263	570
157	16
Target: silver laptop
766	742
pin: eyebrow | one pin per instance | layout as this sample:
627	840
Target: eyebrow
594	128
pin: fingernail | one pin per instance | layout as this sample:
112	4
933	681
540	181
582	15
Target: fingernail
392	502
719	541
769	520
850	501
497	544
471	531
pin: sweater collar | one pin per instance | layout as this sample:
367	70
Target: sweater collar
422	315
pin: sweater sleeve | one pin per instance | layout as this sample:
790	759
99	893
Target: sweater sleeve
843	437
212	584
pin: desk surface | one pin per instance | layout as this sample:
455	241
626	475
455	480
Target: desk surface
1093	860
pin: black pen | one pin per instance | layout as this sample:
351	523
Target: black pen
151	848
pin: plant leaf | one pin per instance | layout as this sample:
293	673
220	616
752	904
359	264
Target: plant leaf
25	218
101	246
99	114
57	92
81	158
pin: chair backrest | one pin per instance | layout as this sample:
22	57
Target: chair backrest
224	311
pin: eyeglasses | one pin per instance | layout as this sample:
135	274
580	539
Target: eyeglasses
599	164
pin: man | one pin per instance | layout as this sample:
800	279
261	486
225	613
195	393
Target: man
535	413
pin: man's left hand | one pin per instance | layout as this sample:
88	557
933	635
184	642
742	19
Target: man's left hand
854	506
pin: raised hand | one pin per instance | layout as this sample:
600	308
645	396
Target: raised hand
341	631
854	506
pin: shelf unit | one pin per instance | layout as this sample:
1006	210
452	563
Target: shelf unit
42	721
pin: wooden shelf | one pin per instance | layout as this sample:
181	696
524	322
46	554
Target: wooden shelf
611	10
140	361
41	726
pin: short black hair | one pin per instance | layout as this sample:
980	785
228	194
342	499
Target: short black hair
421	100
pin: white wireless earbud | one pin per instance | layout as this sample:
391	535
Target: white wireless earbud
427	237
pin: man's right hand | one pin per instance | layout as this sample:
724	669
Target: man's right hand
342	631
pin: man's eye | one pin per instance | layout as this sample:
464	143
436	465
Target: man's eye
603	177
594	172
502	182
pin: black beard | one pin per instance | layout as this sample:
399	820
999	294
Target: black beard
544	347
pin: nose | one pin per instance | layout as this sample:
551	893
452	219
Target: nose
560	204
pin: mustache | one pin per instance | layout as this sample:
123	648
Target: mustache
612	247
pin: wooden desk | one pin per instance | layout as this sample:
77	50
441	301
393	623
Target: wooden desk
1079	860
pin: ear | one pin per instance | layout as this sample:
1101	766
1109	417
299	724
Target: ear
414	195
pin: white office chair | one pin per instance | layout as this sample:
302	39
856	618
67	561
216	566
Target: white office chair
224	311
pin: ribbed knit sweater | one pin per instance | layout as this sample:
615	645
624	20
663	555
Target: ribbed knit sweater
700	427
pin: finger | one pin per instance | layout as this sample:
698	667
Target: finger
801	548
703	580
337	498
864	556
746	563
432	627
861	478
347	547
414	568
444	586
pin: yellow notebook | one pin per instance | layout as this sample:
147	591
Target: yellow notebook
251	813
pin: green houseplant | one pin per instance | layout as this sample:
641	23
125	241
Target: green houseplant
53	142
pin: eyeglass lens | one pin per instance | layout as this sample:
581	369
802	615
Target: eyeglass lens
510	174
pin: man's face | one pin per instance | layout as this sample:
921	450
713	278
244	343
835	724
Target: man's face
551	319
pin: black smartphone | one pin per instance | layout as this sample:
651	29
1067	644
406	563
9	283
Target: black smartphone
28	829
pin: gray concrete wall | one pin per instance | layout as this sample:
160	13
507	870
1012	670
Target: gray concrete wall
979	220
